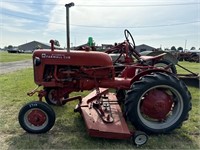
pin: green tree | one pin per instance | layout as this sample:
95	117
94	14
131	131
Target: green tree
10	46
173	48
193	48
180	48
5	48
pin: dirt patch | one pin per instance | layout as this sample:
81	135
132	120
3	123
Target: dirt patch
14	66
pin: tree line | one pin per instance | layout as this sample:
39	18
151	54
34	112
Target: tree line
181	48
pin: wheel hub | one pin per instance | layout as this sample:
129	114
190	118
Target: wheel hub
37	117
156	104
53	96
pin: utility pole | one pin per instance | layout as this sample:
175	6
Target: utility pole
185	44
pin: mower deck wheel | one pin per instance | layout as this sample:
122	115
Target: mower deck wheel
139	138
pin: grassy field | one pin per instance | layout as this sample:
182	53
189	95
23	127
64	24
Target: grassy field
69	131
10	57
194	67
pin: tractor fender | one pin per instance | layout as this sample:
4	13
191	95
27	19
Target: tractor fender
150	71
168	56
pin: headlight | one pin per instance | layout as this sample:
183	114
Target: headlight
37	61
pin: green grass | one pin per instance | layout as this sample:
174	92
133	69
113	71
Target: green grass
10	57
192	66
69	131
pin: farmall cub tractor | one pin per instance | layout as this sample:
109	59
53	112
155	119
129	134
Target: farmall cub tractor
153	99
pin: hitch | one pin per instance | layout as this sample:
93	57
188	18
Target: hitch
41	93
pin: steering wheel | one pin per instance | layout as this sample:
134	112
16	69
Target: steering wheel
126	49
127	35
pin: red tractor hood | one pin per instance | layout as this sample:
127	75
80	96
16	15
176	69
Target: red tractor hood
75	58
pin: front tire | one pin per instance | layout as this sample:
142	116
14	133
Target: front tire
36	117
158	103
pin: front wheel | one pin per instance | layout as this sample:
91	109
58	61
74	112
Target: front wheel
158	103
52	97
36	117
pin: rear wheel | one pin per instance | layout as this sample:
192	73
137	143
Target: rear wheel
194	58
121	95
158	103
36	117
164	64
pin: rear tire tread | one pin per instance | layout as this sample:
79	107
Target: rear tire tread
146	82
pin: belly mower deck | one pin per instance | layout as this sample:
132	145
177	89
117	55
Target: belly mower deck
103	117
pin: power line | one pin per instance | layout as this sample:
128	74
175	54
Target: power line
103	27
144	26
100	5
136	5
30	18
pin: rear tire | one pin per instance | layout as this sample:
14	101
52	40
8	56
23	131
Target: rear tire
121	95
171	87
165	63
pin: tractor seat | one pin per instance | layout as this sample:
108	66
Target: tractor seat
146	58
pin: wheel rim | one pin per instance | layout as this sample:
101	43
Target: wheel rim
156	104
171	117
36	119
52	96
140	139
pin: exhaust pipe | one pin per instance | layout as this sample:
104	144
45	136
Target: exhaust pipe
67	25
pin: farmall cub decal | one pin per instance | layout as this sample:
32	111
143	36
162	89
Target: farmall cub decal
55	56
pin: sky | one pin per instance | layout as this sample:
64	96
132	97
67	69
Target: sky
157	23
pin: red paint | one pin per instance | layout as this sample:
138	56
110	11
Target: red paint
156	104
36	117
118	129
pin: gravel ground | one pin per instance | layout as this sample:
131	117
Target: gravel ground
14	66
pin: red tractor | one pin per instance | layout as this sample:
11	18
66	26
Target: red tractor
155	100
